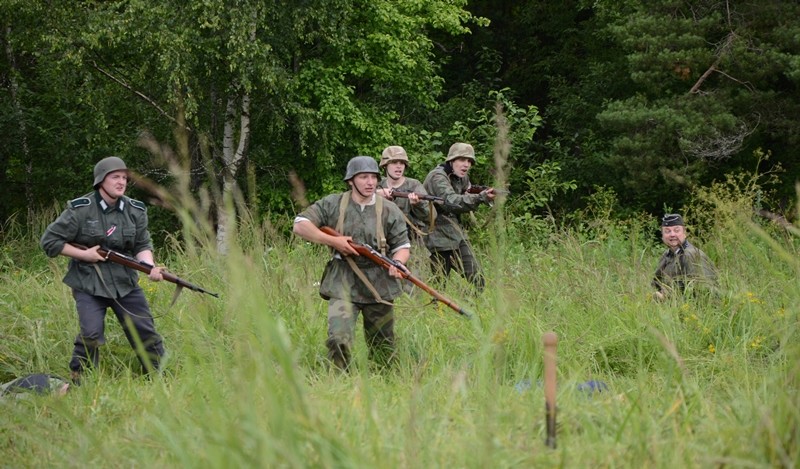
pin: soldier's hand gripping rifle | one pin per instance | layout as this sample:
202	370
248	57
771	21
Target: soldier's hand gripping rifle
145	267
384	261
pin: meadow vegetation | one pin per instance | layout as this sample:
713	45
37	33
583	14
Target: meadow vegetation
693	382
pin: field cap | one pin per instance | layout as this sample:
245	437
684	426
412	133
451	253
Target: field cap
672	219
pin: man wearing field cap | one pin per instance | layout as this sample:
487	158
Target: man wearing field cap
682	266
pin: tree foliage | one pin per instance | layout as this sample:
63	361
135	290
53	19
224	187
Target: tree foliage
647	99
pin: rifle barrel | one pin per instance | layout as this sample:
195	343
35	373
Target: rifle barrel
370	253
432	198
145	267
476	189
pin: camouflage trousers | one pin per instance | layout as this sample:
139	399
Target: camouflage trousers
462	260
378	330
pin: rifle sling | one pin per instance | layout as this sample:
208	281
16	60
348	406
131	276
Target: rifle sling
130	313
361	275
431	220
178	286
343	203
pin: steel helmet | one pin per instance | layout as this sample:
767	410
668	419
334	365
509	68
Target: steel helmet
361	164
461	150
105	166
393	153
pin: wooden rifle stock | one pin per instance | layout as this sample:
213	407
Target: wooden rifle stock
143	266
384	261
431	198
474	189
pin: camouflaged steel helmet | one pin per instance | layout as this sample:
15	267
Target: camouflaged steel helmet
393	153
461	150
361	164
105	166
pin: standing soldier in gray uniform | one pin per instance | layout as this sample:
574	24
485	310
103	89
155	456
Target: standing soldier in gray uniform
419	214
682	265
450	249
352	284
106	218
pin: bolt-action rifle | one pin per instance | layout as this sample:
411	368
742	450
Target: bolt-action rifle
145	267
431	198
474	189
384	261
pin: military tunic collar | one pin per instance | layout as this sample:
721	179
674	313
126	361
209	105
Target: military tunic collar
120	205
679	250
371	201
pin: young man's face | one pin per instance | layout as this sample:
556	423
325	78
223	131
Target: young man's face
673	236
461	166
395	169
365	183
115	184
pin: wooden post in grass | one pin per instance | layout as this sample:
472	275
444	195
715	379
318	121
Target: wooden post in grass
550	339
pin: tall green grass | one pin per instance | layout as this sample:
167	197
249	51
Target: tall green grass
698	383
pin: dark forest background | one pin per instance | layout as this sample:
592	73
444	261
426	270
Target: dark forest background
642	101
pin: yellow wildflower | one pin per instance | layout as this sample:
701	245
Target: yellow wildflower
500	336
756	342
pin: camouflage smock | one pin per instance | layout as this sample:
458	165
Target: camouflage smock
419	214
338	280
448	232
89	221
687	264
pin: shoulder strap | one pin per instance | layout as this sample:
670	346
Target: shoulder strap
138	204
343	202
80	202
379	224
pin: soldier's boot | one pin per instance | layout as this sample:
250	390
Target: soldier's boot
340	356
75	377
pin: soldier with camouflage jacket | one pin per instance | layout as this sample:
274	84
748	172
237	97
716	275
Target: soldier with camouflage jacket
352	284
418	213
447	242
106	218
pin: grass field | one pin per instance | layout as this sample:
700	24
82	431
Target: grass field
690	382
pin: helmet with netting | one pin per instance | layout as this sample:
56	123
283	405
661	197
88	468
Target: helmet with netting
393	153
461	150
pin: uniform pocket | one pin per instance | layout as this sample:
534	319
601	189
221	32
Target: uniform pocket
128	237
91	233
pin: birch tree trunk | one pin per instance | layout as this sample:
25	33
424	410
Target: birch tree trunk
232	155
